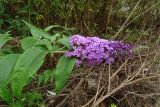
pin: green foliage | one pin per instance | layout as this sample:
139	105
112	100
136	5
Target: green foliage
7	64
4	38
113	105
51	27
46	43
36	32
28	42
17	71
33	99
65	41
63	70
5	94
47	76
54	37
78	13
27	65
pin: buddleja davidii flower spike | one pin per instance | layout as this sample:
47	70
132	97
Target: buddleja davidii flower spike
94	50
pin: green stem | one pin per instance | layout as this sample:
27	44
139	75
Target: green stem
59	51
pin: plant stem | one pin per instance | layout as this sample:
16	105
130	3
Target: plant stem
59	51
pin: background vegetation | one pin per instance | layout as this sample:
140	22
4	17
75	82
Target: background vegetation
89	17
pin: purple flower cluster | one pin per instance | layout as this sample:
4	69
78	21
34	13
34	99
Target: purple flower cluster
94	50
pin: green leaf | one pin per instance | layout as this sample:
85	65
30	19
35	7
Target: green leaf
40	79
17	104
54	37
27	65
48	74
3	40
63	69
46	77
28	42
6	95
33	99
51	27
65	41
7	50
113	105
46	43
7	64
37	33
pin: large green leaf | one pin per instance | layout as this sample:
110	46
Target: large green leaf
28	42
46	43
27	65
3	40
37	33
7	64
63	69
51	27
65	41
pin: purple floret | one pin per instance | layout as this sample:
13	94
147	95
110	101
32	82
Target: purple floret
94	50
